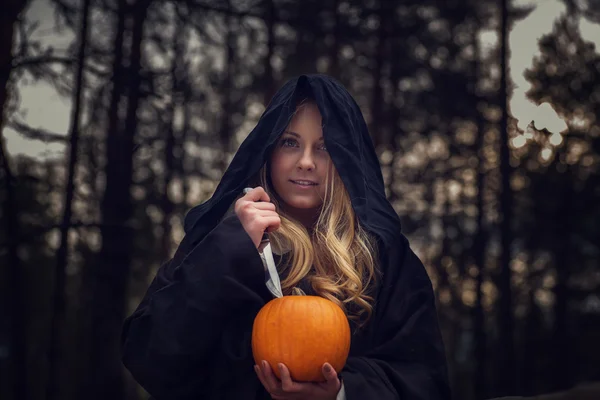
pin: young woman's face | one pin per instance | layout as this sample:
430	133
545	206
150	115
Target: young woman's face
300	162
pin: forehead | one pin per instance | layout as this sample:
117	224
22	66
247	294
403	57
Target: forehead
306	122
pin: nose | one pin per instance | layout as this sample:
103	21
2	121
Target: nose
307	160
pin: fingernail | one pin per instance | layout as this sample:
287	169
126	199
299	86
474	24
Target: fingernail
327	368
265	364
280	365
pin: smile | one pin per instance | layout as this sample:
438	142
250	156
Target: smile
304	183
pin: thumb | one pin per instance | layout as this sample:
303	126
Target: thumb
330	373
256	194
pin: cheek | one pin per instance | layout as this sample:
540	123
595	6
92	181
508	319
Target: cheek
278	168
286	159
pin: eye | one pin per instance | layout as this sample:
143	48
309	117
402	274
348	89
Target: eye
322	147
288	142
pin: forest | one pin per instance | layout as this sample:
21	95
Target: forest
158	96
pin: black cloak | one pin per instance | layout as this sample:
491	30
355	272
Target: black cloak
190	336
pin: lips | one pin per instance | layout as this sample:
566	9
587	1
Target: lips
303	182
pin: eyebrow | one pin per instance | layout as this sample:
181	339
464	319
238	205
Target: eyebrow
292	133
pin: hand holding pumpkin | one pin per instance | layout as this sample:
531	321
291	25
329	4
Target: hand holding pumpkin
287	389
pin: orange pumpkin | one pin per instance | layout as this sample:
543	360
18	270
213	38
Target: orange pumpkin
302	332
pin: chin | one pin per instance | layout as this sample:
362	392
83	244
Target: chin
303	204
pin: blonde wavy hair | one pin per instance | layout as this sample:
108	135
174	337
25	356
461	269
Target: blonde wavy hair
342	253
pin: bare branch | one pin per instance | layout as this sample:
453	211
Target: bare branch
39	60
43	60
223	10
37	133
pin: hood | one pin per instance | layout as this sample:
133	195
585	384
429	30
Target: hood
348	143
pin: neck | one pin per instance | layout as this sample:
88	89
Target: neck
306	216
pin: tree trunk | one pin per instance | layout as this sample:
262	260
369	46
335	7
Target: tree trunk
561	379
531	335
269	79
392	116
562	365
480	237
377	103
113	269
171	147
56	365
334	69
183	173
8	18
227	89
507	367
16	372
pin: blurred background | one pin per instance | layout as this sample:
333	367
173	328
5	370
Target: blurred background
120	115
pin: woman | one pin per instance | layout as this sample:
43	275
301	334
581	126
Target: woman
320	195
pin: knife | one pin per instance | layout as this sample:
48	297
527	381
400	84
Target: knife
273	283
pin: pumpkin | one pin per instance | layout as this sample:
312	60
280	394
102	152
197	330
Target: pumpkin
303	333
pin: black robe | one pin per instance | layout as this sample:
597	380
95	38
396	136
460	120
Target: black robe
190	336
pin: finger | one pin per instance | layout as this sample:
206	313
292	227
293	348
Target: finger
287	384
264	206
330	374
257	194
267	214
273	389
249	212
261	377
273	385
270	223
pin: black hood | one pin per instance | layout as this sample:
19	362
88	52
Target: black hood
348	142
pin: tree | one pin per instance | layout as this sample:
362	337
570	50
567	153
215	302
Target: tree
505	318
566	76
111	276
58	317
14	294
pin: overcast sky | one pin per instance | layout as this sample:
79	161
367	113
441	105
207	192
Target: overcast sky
45	109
